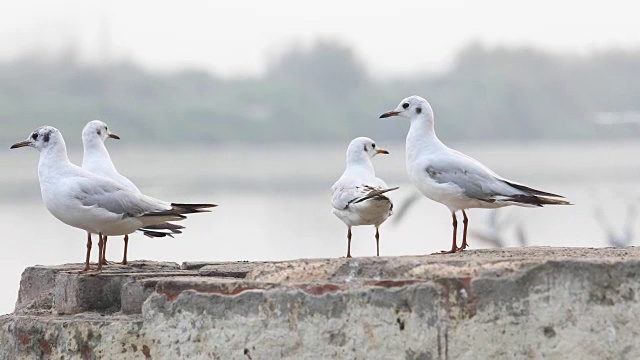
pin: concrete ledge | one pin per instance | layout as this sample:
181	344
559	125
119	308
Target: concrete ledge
531	303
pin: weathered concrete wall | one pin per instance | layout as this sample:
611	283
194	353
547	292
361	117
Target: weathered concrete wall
532	303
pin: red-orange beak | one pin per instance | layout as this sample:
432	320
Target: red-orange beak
382	151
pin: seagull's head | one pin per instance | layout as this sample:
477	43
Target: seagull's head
97	129
411	108
41	139
363	147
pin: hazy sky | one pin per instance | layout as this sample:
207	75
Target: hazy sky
239	37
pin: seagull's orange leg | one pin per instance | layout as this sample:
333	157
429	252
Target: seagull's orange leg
454	248
104	252
126	245
465	221
87	267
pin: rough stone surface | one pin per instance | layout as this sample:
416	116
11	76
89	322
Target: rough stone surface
532	303
87	336
134	293
36	288
235	270
76	292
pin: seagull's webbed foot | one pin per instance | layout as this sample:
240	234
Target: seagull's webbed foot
454	247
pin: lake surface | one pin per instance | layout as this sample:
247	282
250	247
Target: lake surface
275	203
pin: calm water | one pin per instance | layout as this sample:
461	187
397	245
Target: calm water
275	203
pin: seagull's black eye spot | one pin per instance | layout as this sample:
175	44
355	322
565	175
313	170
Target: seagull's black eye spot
99	132
365	148
34	136
418	110
373	146
405	105
46	137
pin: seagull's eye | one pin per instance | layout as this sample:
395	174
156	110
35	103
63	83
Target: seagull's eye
405	105
418	110
373	146
34	136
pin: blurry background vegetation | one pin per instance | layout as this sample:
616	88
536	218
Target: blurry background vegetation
324	93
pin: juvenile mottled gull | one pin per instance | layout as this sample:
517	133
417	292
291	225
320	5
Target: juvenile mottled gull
91	202
455	179
358	196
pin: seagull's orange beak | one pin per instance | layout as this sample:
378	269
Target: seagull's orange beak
20	144
114	136
389	114
382	151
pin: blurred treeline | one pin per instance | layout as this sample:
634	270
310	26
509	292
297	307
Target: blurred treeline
323	93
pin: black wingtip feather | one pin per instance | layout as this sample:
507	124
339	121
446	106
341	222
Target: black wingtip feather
180	210
194	206
537	200
375	193
531	191
164	226
155	234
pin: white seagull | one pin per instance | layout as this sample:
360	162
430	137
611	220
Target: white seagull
453	178
94	203
358	196
97	160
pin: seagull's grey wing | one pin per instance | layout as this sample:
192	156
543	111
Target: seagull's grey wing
473	178
97	192
519	188
476	181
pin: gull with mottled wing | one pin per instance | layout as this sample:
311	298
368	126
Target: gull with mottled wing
359	196
453	178
93	203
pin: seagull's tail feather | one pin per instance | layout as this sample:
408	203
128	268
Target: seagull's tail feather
375	194
161	230
530	191
167	226
180	210
155	234
531	200
191	208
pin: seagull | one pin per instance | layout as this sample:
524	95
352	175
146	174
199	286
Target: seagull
454	179
358	196
96	159
95	204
